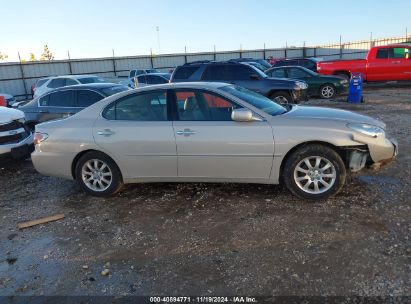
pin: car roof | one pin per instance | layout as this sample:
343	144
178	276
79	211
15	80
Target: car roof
185	85
95	86
157	74
73	76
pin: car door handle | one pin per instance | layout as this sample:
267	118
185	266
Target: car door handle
186	132
43	111
396	62
106	132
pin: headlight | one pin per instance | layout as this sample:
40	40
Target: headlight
21	120
300	85
344	81
369	130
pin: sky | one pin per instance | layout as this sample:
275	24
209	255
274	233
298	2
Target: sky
94	28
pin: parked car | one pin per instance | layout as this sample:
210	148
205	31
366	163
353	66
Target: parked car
134	73
383	63
263	62
318	85
150	79
10	99
64	81
308	63
16	139
66	101
245	75
209	132
38	83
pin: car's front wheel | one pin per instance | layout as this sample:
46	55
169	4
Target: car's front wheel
98	174
327	91
281	97
314	172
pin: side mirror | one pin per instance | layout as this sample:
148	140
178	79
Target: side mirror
243	115
254	77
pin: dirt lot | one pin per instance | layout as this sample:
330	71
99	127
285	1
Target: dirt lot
214	239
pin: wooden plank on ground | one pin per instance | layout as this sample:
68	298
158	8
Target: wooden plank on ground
43	220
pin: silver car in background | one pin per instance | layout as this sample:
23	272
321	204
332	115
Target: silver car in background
209	132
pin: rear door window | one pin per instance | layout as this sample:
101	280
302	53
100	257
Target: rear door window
296	73
383	53
218	72
184	72
57	83
86	98
62	99
278	73
155	79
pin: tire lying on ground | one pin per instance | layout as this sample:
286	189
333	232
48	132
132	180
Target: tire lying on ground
314	172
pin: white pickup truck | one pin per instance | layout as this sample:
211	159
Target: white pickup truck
16	139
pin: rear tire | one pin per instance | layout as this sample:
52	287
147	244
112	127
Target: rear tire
281	97
98	174
314	172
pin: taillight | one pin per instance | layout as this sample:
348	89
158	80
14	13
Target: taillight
39	137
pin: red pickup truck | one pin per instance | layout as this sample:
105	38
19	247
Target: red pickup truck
383	63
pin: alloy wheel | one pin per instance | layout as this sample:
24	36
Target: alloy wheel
327	91
315	174
96	175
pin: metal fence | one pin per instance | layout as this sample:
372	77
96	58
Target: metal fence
17	78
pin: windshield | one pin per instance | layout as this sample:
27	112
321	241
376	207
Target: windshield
264	63
257	100
91	80
309	71
114	90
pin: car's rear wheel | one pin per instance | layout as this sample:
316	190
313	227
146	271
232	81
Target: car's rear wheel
314	172
98	174
281	97
327	91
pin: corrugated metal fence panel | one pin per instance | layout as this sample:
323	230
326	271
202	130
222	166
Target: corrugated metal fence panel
92	67
32	70
294	53
10	71
191	58
310	52
126	64
253	54
14	87
275	53
227	56
168	61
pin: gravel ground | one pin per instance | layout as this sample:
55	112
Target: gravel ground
214	239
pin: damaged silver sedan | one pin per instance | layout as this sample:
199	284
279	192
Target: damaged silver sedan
209	132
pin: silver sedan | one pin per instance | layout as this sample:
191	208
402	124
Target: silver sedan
209	132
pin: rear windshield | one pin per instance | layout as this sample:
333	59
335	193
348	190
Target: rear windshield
114	90
40	82
185	72
257	100
91	80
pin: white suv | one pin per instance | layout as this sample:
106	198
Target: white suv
63	81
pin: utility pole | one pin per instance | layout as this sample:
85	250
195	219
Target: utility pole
158	38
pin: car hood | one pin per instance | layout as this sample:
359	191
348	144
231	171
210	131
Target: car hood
7	115
331	114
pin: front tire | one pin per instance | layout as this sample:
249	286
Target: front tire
98	174
327	91
281	97
314	172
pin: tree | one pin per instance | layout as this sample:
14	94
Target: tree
47	55
3	56
32	57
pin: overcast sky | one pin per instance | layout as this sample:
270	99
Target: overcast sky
91	28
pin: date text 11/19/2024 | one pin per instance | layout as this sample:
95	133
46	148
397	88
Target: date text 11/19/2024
203	299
